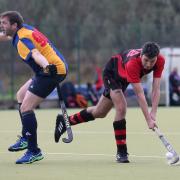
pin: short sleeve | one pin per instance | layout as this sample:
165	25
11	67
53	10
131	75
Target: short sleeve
132	72
24	47
159	67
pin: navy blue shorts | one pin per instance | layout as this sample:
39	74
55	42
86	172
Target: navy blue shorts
42	86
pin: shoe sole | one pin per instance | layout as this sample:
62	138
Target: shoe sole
122	161
30	162
16	150
125	161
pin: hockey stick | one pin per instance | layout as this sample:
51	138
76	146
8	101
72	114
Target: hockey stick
65	116
167	145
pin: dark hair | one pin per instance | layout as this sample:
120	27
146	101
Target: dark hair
14	17
150	49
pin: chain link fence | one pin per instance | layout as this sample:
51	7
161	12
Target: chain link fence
83	47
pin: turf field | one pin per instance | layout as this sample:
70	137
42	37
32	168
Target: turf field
91	154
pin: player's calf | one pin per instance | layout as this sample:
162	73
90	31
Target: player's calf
120	137
81	117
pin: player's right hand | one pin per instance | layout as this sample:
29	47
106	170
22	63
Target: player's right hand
51	69
151	124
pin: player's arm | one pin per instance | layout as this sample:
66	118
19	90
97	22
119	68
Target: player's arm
42	61
3	37
155	96
39	58
138	89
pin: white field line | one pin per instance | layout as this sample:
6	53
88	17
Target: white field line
99	155
106	155
93	132
94	154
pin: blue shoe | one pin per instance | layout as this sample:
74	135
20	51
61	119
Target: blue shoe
30	157
20	145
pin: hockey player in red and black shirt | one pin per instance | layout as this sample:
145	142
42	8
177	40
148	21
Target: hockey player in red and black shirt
121	70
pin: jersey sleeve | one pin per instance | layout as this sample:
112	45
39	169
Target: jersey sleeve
159	67
132	72
25	47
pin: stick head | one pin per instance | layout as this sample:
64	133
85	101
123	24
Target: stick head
173	160
69	134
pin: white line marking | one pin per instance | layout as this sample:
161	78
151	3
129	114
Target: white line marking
107	155
87	154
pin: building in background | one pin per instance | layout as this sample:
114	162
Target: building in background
172	60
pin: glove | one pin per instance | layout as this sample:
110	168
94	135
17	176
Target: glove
51	70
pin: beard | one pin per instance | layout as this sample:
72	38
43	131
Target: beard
9	32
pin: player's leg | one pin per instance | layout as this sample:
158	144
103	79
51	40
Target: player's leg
21	143
99	111
91	113
38	90
30	126
119	125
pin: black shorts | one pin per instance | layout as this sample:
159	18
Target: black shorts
111	78
42	86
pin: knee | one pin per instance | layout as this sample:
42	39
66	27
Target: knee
121	110
25	107
19	96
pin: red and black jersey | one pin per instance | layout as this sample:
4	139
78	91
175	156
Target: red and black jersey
128	65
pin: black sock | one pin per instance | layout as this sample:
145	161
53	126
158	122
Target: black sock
81	117
30	127
23	131
120	136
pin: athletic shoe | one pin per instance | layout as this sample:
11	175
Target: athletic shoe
20	144
30	157
60	127
122	158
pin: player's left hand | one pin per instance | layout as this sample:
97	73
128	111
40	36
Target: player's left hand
51	69
153	115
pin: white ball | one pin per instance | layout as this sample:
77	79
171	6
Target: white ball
169	155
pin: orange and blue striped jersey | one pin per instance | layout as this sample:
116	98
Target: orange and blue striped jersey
27	39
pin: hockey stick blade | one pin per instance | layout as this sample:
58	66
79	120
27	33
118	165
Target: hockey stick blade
70	136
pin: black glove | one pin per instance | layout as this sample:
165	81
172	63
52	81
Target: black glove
51	70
